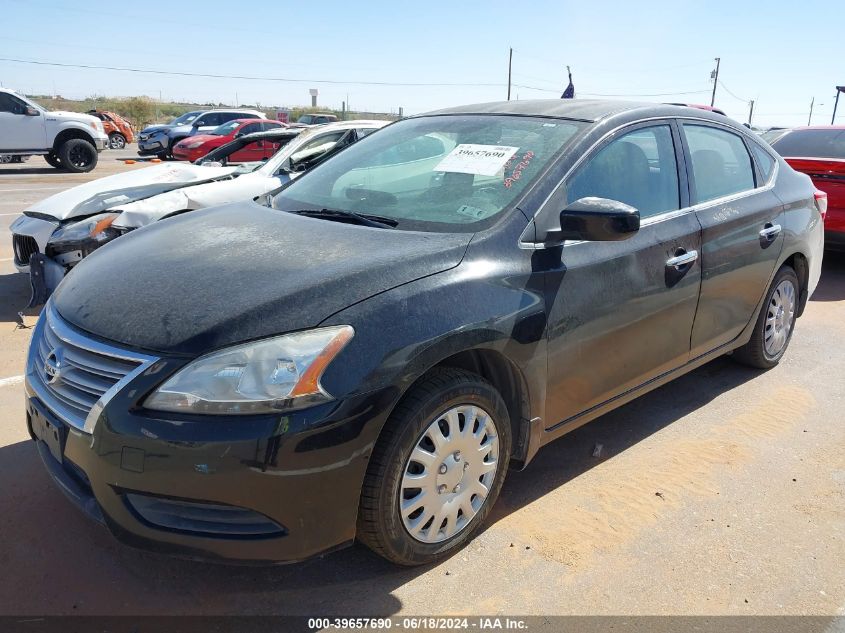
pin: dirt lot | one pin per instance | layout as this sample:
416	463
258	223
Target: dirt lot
722	493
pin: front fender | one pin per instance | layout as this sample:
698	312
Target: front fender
404	332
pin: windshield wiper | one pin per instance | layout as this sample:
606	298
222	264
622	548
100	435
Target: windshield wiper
363	219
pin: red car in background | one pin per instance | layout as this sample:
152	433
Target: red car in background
819	152
195	147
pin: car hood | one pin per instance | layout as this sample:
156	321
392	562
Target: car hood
200	138
150	129
87	119
239	272
112	191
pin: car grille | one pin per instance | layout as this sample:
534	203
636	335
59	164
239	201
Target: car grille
24	247
72	374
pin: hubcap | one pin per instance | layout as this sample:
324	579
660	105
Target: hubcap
779	318
449	474
79	157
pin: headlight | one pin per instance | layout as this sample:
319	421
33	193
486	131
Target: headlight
96	227
194	145
269	376
97	125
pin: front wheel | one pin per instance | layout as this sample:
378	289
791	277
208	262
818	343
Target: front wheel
78	156
775	323
436	470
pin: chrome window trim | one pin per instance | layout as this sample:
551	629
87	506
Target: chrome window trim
50	318
661	217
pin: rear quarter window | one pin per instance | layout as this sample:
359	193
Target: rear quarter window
765	162
811	144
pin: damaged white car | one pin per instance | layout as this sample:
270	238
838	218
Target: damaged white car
53	235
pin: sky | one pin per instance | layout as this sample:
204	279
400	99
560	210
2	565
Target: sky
779	53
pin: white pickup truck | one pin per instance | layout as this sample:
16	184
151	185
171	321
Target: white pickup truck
67	140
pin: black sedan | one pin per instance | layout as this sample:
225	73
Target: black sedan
414	316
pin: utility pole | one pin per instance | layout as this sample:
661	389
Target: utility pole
839	90
750	112
715	76
810	118
510	65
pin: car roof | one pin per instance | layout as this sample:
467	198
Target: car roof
280	132
589	110
815	127
253	120
343	125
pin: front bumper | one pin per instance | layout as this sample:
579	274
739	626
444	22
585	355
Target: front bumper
181	153
30	236
101	143
301	472
152	145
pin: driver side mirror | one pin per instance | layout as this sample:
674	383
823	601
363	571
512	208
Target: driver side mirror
30	111
598	220
197	123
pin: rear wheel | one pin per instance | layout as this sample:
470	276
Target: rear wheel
775	323
117	140
437	469
78	155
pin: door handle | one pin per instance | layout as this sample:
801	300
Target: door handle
682	259
770	231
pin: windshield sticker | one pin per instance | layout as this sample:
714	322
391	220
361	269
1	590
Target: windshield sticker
516	174
472	212
481	160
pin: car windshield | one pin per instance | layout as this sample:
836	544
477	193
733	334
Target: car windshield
439	173
185	118
828	143
225	129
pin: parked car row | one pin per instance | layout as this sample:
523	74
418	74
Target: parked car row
361	352
55	234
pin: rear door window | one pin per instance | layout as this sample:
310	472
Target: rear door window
811	144
638	168
721	165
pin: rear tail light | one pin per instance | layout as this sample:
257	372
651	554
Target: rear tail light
821	202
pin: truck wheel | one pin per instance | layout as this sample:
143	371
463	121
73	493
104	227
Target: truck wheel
6	158
775	323
53	160
78	156
436	470
117	140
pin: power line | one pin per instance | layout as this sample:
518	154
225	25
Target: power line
248	77
722	83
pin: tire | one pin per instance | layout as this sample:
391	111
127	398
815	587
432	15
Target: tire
117	140
775	323
162	156
53	160
5	159
449	480
77	155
